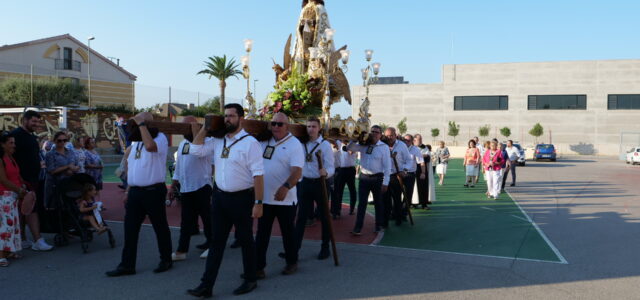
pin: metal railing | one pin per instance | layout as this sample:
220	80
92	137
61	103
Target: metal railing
68	64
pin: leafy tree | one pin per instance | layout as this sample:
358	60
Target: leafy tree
484	130
211	106
222	69
506	132
402	126
435	132
454	130
383	127
46	92
536	131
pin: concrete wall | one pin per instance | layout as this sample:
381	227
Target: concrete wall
429	106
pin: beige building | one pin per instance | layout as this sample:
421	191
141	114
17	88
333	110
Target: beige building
66	57
585	107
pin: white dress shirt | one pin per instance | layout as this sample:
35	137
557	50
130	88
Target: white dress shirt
151	167
403	157
513	153
234	173
416	156
287	154
193	172
310	169
378	161
346	160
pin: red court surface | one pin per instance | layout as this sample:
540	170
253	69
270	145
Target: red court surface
111	196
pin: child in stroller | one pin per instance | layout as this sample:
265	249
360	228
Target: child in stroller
90	209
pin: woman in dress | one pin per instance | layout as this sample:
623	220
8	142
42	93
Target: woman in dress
471	163
78	151
492	162
93	164
61	163
11	189
442	157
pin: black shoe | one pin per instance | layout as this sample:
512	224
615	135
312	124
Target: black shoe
282	255
200	292
513	184
259	275
378	229
324	253
335	217
351	213
203	246
246	287
235	245
290	269
356	232
120	272
163	266
122	186
466	185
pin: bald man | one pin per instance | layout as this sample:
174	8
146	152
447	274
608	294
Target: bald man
192	177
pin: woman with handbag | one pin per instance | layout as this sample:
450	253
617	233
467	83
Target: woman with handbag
11	190
471	164
442	156
492	163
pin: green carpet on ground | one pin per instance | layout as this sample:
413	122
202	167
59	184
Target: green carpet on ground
463	220
108	174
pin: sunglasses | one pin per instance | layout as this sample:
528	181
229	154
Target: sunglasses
376	132
61	141
277	124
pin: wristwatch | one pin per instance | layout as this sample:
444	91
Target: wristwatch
258	202
287	185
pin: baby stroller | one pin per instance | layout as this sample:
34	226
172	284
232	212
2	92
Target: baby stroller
69	215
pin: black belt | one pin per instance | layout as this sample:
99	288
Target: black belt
411	172
372	175
311	179
233	193
353	167
149	187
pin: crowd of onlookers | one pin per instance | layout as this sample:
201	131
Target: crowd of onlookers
30	169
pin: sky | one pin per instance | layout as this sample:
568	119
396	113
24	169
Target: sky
164	43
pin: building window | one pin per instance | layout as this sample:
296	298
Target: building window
541	102
67	58
623	102
480	103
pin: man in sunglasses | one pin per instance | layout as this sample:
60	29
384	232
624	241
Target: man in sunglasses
311	186
375	170
283	162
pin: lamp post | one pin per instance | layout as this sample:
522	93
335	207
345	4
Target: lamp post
246	73
89	39
368	80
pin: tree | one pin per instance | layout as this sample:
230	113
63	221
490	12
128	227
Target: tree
536	131
454	130
221	69
402	126
383	127
484	130
211	106
46	92
506	132
435	132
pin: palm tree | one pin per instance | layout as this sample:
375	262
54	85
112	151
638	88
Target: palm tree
218	67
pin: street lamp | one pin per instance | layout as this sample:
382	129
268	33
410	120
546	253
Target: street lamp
246	73
367	80
89	39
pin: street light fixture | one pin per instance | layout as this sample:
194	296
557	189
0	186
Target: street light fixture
246	73
89	39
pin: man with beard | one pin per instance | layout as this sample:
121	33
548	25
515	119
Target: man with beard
238	191
311	186
393	197
283	163
192	177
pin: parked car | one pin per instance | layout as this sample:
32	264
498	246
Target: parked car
633	156
523	158
545	151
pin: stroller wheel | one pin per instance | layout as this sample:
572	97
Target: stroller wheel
60	240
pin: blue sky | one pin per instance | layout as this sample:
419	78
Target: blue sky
165	42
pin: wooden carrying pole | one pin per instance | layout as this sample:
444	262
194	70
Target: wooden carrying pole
407	201
325	205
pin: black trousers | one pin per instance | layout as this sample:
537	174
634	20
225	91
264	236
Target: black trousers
369	184
393	201
311	192
142	202
286	215
344	177
409	183
195	204
231	209
510	168
423	186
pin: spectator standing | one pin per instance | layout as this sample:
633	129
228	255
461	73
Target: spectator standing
11	189
442	157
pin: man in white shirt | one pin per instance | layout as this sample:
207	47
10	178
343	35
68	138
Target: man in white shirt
283	162
418	161
346	176
375	167
513	154
192	177
145	196
311	188
394	208
237	196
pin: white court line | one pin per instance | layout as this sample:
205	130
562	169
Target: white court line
517	217
491	209
544	236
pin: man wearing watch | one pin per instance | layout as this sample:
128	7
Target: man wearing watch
394	207
237	196
283	162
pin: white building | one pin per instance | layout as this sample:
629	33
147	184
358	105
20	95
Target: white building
586	107
66	57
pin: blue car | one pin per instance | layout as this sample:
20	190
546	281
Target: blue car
545	151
